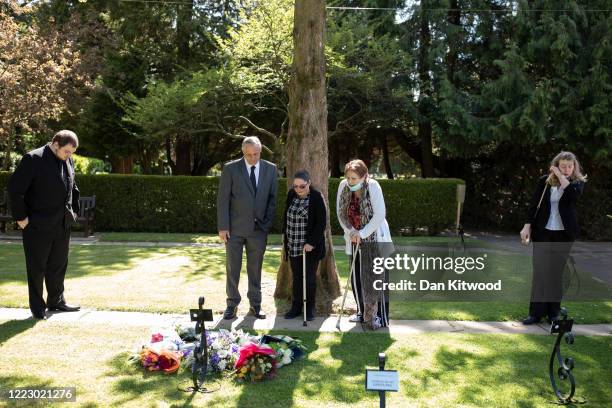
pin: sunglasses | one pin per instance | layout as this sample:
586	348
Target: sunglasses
301	186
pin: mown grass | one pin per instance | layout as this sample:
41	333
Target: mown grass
170	279
436	370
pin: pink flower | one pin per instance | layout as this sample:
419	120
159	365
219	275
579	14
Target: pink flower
249	350
157	337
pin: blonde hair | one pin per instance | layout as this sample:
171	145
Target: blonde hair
576	174
357	166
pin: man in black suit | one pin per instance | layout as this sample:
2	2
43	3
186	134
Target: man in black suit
44	198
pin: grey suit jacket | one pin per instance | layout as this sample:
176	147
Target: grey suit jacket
239	209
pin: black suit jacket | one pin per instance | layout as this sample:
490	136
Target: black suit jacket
37	191
317	220
567	208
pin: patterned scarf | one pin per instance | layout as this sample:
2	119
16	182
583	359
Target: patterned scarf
366	212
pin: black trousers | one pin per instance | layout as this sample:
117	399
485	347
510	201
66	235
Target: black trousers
551	250
46	254
382	296
312	263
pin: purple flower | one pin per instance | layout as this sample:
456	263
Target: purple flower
214	359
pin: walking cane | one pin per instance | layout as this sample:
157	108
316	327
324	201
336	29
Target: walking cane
304	284
356	249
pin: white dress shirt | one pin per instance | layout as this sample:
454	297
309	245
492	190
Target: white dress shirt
248	166
554	220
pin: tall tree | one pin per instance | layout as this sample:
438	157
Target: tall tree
307	138
33	68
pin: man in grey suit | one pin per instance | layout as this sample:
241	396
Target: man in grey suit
245	210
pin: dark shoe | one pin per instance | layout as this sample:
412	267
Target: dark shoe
295	311
531	320
230	312
65	307
257	312
39	316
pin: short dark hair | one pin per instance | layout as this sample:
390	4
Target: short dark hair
64	137
302	174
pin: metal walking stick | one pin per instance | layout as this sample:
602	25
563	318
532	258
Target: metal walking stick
304	285
355	251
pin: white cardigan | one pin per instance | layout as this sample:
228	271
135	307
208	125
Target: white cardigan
378	224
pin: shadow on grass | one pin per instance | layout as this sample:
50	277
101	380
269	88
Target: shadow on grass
12	328
505	372
191	264
352	370
132	381
8	382
280	392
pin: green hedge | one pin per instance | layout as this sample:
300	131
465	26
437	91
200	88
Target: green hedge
188	204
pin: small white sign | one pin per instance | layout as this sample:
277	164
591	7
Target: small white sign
385	380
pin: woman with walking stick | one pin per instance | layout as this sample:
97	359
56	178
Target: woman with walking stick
360	207
304	223
552	225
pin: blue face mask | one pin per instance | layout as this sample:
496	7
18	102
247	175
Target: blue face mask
356	186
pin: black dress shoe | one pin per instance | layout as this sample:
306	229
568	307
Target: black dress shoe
257	312
65	307
39	316
295	311
230	312
531	320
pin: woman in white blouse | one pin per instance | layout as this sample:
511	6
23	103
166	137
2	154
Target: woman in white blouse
360	207
552	224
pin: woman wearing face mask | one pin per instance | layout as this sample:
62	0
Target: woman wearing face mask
552	224
304	230
360	207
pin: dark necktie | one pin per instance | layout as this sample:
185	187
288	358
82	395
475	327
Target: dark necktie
253	181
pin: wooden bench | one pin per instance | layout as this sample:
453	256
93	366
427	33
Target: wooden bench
85	216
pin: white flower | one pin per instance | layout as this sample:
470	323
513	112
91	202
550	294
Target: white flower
222	353
286	359
222	365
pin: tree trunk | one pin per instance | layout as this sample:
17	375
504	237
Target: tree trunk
184	27
168	145
122	165
386	160
336	166
452	55
183	157
425	93
306	145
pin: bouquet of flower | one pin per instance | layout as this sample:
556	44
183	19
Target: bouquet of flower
255	363
222	350
163	360
287	348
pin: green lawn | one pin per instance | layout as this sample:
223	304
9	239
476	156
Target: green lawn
436	370
169	279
